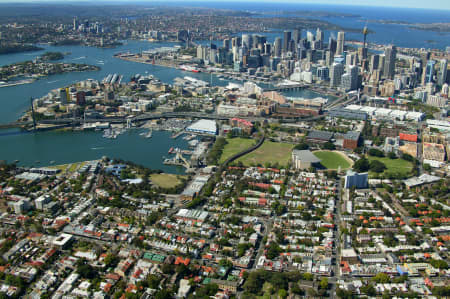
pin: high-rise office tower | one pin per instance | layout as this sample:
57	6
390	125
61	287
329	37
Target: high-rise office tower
389	62
429	71
286	40
319	39
227	43
319	34
337	69
256	39
442	72
296	36
309	36
329	56
75	24
247	41
236	41
267	49
277	47
349	81
374	62
332	45
350	59
340	43
381	63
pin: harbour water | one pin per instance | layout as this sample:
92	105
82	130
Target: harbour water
67	146
64	147
60	147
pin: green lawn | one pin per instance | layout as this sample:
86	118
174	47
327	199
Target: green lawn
68	168
165	180
398	165
269	152
332	160
235	146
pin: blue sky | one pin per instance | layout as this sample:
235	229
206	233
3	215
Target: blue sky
430	4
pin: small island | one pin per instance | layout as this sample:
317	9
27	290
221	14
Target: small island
40	68
52	56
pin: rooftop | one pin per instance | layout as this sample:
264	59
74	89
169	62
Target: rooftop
305	155
322	135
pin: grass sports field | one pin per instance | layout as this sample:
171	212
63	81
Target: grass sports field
235	146
398	165
332	160
269	152
165	180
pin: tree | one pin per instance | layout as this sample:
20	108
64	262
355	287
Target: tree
324	283
111	260
362	165
440	264
207	291
407	157
302	146
377	166
86	271
392	155
329	146
381	278
369	290
163	294
375	153
297	290
282	294
426	167
308	276
341	293
273	251
226	263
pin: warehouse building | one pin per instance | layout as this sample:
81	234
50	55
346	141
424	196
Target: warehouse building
203	126
319	136
304	159
347	114
192	215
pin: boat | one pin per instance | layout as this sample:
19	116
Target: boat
171	150
176	135
149	134
189	68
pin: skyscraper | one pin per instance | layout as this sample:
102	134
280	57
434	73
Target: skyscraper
277	47
286	40
335	74
332	45
319	34
429	71
374	62
442	72
319	39
75	24
389	62
227	43
349	81
236	41
296	36
247	41
340	43
309	36
267	49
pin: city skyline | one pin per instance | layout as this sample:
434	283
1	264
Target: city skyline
413	4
